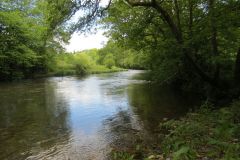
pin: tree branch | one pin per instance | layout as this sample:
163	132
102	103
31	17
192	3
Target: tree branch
168	19
164	15
135	3
176	31
106	8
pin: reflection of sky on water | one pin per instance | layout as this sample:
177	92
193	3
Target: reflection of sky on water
93	99
77	118
89	102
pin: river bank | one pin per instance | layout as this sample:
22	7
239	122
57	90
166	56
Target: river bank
204	134
97	70
73	72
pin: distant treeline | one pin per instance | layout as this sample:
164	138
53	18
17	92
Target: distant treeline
108	59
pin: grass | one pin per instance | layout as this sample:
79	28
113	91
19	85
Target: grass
97	69
205	134
103	69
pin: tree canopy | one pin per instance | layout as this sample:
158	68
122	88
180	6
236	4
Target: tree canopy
28	36
189	41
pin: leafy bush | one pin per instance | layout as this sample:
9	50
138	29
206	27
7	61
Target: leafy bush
121	156
109	61
206	133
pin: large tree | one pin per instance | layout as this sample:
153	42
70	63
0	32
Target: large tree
198	39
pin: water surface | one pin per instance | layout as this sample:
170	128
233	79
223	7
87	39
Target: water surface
79	118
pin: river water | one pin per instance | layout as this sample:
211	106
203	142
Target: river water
79	118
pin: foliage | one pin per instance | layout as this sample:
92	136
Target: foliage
109	61
114	54
27	39
122	156
191	43
206	133
81	63
203	134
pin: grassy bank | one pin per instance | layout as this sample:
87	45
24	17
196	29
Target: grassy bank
95	70
80	64
204	134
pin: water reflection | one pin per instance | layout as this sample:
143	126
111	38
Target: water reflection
33	117
80	118
154	103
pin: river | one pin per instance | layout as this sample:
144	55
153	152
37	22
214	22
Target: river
80	118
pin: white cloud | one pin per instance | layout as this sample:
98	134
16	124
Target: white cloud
88	41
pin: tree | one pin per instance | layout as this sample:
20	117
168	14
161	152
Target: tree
185	37
122	56
28	38
109	61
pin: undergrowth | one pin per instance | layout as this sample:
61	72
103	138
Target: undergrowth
207	133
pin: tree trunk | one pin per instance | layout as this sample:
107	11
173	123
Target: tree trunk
237	69
214	43
177	10
190	6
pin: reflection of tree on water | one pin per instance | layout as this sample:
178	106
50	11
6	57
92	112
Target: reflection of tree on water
32	119
153	104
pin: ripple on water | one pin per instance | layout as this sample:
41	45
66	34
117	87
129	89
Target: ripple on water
62	118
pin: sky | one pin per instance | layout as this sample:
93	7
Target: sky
79	42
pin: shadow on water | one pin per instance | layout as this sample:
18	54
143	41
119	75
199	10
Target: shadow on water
32	119
153	104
